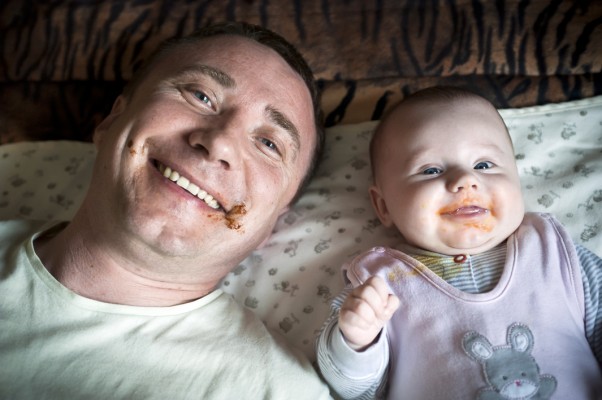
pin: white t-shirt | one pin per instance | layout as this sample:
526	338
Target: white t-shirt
57	344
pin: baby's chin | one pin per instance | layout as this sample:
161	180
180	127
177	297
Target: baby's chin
472	248
471	241
453	246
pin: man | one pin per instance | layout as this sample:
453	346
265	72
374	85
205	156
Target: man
205	149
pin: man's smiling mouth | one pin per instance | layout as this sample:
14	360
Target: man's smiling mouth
190	187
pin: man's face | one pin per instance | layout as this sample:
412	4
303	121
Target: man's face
447	178
231	125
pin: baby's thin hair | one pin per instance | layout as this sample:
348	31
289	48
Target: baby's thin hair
442	93
430	94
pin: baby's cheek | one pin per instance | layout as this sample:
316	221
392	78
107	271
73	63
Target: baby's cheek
424	221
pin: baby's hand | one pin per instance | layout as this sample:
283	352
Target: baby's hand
365	311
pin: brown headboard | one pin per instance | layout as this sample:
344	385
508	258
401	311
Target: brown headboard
63	62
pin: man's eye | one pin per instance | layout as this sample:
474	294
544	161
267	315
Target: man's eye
269	144
202	97
432	171
483	165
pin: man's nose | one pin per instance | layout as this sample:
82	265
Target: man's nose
218	141
462	180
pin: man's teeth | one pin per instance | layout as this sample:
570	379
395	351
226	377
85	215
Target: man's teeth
185	184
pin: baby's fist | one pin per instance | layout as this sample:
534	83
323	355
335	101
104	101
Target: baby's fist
365	311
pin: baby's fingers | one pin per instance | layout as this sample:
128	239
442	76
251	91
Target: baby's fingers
365	311
357	313
388	303
372	301
392	306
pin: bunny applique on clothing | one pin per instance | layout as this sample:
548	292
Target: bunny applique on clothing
510	369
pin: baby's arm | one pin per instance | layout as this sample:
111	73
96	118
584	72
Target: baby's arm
591	268
365	311
351	374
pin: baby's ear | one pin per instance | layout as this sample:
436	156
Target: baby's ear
380	206
118	107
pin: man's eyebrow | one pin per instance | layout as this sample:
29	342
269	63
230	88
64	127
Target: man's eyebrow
216	74
285	123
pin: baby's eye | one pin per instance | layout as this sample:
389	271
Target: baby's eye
202	97
432	171
483	165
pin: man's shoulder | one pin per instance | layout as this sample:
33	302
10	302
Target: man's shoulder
18	229
239	338
15	234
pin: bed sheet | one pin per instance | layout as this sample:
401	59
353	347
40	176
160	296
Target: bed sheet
290	282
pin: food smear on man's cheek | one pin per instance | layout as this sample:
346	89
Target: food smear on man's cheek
131	147
134	151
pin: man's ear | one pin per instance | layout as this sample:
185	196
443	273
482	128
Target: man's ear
380	206
118	107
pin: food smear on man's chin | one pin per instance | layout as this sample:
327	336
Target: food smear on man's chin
234	215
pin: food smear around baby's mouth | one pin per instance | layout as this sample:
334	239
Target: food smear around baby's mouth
234	215
467	209
485	226
464	211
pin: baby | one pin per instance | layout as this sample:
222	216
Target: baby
480	300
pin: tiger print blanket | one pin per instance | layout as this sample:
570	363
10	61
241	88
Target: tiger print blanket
63	62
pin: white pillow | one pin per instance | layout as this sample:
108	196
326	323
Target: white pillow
290	282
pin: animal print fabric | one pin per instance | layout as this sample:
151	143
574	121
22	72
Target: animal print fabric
63	62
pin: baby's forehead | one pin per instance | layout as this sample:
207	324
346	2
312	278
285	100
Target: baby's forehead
442	106
411	120
410	115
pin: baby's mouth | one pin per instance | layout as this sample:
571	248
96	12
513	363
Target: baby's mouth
467	211
187	185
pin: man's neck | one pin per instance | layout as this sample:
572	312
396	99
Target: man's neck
95	270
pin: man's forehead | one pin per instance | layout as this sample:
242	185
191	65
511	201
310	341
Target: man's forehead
221	58
228	47
193	72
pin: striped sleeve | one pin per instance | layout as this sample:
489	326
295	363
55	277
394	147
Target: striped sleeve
351	374
591	270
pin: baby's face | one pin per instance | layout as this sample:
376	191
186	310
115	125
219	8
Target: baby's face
446	177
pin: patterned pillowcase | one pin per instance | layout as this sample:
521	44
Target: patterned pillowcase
290	282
